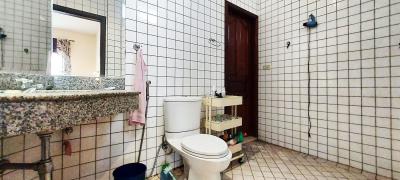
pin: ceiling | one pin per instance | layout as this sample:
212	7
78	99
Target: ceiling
72	23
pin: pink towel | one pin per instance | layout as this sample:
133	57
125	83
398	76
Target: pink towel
139	85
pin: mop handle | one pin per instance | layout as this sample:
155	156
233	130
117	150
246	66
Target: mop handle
145	115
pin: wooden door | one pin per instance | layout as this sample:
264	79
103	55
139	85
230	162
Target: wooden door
241	63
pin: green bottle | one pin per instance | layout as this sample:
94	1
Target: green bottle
239	137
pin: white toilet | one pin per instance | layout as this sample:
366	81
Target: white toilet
205	156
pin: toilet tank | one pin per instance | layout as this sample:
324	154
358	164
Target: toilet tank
182	115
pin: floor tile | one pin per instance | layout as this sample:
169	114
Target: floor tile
268	161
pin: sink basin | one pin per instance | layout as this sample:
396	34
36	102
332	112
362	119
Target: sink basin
63	91
49	110
10	91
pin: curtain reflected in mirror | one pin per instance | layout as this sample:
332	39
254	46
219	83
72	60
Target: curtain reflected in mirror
61	57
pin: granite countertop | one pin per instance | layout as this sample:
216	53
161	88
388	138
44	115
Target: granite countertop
44	111
57	95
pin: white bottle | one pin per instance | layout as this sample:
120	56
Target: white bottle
213	89
223	92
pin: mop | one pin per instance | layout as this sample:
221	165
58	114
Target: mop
145	116
166	168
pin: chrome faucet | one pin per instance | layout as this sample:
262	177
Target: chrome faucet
24	83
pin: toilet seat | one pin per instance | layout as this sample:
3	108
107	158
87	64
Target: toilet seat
205	146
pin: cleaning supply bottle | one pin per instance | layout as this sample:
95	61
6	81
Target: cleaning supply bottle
239	137
166	172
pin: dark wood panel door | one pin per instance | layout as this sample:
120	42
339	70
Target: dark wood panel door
241	63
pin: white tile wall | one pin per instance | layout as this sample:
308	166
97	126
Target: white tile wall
174	37
354	81
27	26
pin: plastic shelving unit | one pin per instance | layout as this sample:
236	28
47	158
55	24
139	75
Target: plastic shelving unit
211	125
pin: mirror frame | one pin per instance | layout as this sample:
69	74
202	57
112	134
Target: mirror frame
94	17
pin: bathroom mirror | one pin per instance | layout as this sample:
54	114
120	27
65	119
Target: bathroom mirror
60	37
78	43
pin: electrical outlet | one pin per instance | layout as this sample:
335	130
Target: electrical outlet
267	67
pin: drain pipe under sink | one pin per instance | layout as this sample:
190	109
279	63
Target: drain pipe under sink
44	167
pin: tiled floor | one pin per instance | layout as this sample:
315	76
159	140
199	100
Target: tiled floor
267	161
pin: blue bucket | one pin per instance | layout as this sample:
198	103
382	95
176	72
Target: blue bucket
132	171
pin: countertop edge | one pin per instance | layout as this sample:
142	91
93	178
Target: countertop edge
64	97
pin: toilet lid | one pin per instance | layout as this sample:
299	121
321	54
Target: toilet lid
205	146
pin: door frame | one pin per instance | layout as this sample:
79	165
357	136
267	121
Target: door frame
254	18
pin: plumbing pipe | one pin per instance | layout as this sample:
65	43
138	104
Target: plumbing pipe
44	167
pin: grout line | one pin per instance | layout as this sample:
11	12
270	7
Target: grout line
361	95
291	78
80	150
326	85
30	45
109	146
62	154
308	87
317	83
391	93
1	150
348	83
272	85
337	87
375	98
285	143
300	79
23	156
